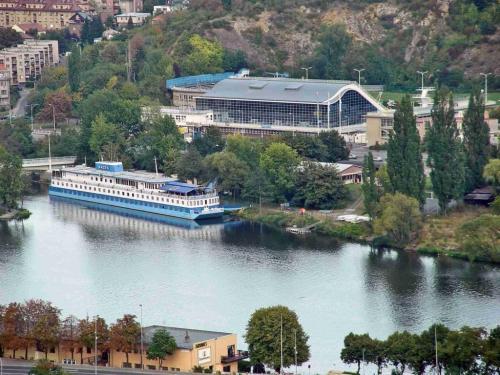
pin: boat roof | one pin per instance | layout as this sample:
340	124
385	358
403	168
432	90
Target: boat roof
141	176
179	187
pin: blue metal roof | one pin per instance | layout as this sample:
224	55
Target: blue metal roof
197	80
179	187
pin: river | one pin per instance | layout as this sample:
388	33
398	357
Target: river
213	277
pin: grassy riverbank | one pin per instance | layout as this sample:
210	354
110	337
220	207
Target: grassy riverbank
327	225
440	235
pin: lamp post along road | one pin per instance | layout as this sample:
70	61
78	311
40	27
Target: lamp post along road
142	340
31	110
422	74
307	71
95	343
359	75
53	116
485	75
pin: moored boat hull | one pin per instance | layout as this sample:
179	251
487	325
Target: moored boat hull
138	205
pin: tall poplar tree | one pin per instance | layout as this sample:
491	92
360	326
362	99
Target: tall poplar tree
74	69
476	141
369	186
404	157
446	158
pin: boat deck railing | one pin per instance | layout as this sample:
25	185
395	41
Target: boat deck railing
138	191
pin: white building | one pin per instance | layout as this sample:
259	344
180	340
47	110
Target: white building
137	18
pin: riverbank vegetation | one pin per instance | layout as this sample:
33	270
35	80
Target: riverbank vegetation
11	186
395	195
468	350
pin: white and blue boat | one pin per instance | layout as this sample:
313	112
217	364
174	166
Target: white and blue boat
108	184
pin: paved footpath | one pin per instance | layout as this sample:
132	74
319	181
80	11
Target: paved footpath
20	367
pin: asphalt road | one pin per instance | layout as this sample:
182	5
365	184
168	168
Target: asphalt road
20	109
11	367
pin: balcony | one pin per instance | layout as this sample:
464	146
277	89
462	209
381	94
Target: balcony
238	356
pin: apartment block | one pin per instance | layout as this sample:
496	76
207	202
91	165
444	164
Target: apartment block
26	61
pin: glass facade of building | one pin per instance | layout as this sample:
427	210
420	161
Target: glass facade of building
268	113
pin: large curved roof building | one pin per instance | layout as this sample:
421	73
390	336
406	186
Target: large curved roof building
287	104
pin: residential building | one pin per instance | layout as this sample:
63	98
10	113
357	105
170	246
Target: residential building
161	9
349	173
26	61
26	28
130	6
51	14
212	350
137	18
4	88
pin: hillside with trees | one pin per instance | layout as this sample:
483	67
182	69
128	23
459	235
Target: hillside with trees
453	40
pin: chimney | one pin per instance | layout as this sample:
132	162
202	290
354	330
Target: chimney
186	337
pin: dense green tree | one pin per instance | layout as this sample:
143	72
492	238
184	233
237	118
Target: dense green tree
257	188
336	148
461	350
11	183
246	149
334	42
130	23
74	69
476	134
480	237
263	335
209	142
319	187
404	156
371	194
279	162
355	347
9	37
308	147
445	151
399	347
160	139
230	171
106	139
491	173
233	61
189	165
491	352
399	218
162	344
204	56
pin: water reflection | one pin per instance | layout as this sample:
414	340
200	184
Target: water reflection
93	261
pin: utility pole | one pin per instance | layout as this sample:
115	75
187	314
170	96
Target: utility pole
95	344
422	74
307	71
142	340
129	62
31	108
436	347
53	116
359	75
281	344
156	169
485	75
363	361
50	157
295	334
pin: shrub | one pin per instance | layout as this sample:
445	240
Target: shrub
23	214
480	238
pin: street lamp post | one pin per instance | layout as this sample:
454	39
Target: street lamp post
53	116
485	75
95	344
142	342
359	75
31	109
307	71
422	74
1	366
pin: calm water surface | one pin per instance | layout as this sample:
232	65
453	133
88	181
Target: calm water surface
213	277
